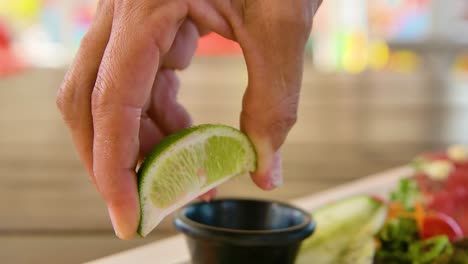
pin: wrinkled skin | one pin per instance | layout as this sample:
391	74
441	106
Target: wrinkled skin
119	96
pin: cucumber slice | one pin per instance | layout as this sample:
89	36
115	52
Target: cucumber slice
344	233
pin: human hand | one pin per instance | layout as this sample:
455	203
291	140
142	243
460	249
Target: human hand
119	96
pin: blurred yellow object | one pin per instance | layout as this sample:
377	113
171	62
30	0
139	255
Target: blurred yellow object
404	61
461	64
379	55
20	10
355	53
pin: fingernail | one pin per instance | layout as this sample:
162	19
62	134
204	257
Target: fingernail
115	224
272	175
208	196
205	197
275	173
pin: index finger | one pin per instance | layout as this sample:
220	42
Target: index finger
141	34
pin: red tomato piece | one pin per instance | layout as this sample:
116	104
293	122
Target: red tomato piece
442	202
4	37
441	224
462	218
463	166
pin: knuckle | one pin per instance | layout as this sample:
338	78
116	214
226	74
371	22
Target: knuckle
274	125
284	121
65	98
106	98
276	119
66	94
164	22
154	19
101	92
300	22
87	42
284	114
87	45
60	99
98	100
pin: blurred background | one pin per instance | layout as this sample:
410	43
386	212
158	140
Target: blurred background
384	81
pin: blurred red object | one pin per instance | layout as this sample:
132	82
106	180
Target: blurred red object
449	197
436	224
4	37
9	62
215	45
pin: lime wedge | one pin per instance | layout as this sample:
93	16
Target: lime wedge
187	164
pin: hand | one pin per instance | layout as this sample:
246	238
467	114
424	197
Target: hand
119	96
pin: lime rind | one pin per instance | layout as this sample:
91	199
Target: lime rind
205	146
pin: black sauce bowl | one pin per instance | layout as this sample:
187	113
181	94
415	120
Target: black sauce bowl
243	231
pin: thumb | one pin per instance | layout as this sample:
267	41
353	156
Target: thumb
267	117
273	44
268	113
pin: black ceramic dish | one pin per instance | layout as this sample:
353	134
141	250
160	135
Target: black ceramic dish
244	231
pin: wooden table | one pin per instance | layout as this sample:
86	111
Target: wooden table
349	126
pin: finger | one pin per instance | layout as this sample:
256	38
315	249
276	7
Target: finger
164	109
211	15
208	196
273	46
150	135
183	48
203	31
73	98
141	34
